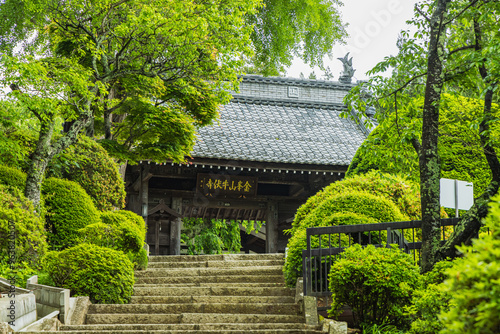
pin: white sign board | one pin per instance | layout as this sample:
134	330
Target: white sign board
455	193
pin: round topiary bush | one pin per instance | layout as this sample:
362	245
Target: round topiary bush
12	177
20	223
88	164
346	208
474	283
105	275
403	193
298	241
375	282
124	231
69	209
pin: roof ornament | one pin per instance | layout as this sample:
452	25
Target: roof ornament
348	73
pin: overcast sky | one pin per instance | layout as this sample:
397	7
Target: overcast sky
374	26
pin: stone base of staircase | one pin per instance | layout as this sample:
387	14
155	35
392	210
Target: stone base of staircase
228	294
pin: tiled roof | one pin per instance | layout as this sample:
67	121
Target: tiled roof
266	130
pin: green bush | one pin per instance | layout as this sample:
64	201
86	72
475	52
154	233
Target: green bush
30	238
402	192
17	274
376	282
16	147
474	283
125	232
12	177
460	147
103	274
210	236
69	209
88	164
298	241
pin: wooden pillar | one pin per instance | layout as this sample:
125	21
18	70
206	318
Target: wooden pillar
272	228
145	176
175	228
157	237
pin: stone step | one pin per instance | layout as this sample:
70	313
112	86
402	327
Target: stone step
228	308
237	271
211	279
211	299
190	318
219	257
189	327
213	291
196	331
216	264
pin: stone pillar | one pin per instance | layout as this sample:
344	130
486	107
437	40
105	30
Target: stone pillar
144	197
272	228
175	228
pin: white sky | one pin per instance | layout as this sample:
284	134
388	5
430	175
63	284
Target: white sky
374	26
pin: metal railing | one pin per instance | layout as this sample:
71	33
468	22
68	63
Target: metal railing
329	242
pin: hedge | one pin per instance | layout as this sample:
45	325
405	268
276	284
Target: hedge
69	209
474	283
105	275
348	208
30	239
88	164
375	282
401	191
12	177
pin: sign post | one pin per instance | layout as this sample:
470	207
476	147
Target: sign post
456	194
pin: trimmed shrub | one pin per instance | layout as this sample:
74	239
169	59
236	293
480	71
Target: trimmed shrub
88	164
474	283
429	301
376	282
403	193
12	177
69	209
16	147
30	239
103	274
120	231
293	262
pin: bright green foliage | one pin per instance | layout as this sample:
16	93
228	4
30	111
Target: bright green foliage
402	192
88	164
346	203
15	145
103	274
124	231
293	262
430	300
69	209
211	237
474	283
287	28
389	150
425	308
30	240
12	177
375	282
17	275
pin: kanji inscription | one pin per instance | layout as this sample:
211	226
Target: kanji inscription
213	185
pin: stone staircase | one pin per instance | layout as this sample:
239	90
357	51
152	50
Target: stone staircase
232	294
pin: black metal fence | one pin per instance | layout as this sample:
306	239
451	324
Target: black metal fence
325	245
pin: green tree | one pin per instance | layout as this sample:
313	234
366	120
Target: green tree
145	73
460	43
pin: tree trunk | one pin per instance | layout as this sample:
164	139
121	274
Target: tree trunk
471	222
38	164
429	163
45	151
